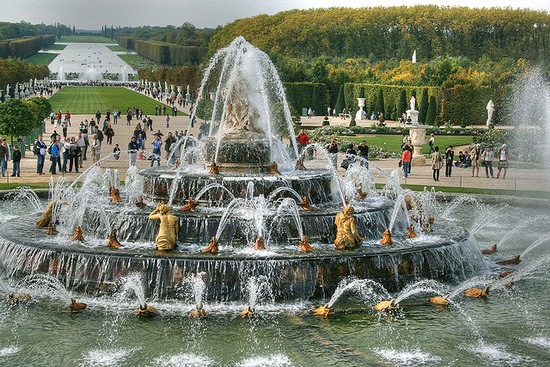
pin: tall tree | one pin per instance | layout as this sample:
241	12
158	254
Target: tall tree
380	102
16	118
432	111
423	109
340	103
402	105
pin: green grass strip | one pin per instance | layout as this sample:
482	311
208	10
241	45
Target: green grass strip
41	58
85	39
392	143
88	100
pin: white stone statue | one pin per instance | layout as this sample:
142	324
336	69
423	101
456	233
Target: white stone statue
490	109
413	103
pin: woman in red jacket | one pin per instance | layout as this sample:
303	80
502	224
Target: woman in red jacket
406	157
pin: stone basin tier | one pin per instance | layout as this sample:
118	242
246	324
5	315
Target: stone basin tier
447	253
315	184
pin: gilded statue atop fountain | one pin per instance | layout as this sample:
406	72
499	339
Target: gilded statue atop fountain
300	164
146	311
347	236
52	231
322	311
240	117
168	229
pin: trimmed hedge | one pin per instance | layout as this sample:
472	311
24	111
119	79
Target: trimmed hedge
305	95
166	53
126	42
25	47
460	105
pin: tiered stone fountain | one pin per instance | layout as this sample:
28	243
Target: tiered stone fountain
244	192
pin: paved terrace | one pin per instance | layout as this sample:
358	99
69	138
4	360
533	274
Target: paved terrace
516	179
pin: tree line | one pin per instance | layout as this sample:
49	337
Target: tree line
385	33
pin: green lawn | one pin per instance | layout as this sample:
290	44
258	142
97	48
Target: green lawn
392	143
85	39
137	61
41	59
56	46
116	48
88	100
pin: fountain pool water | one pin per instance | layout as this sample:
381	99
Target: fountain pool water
511	327
246	201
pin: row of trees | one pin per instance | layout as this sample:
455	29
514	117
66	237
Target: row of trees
24	29
185	35
383	33
13	71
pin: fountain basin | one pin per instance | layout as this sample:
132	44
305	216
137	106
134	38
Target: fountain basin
315	184
447	253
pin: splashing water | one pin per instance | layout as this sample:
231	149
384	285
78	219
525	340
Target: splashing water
134	284
107	357
197	288
258	290
422	286
458	201
277	360
407	358
184	360
365	288
48	286
484	214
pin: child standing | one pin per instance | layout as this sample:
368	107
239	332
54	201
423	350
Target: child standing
16	159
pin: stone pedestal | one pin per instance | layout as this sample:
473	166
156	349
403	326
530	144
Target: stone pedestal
413	115
361	114
418	139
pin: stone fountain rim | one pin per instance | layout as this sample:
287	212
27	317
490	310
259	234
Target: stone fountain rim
107	252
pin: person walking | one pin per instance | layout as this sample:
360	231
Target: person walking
73	153
488	158
332	149
16	159
437	163
54	157
475	155
156	153
431	143
82	143
132	151
40	151
303	141
363	150
4	156
95	145
503	157
449	160
406	158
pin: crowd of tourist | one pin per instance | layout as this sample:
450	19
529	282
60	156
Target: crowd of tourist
67	152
